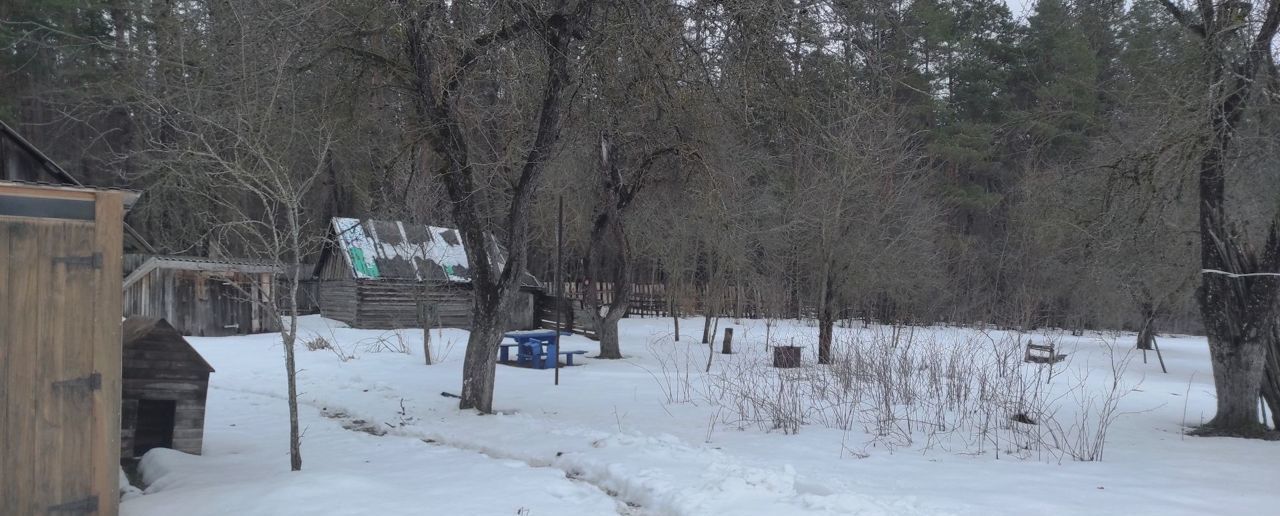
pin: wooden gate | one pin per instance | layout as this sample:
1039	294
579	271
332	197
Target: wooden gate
59	350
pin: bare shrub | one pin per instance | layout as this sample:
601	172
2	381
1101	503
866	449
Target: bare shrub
970	393
389	342
676	367
317	343
1084	437
754	394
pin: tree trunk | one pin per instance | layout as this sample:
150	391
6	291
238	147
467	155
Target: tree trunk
607	332
826	318
480	361
1237	375
1238	311
825	330
1271	378
1148	332
290	338
675	319
295	438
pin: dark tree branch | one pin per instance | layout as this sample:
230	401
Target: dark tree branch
1182	18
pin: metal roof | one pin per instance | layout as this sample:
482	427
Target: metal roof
376	249
200	263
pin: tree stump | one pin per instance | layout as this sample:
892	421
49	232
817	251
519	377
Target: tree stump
786	356
727	348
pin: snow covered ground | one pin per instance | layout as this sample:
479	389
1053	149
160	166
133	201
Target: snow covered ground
641	436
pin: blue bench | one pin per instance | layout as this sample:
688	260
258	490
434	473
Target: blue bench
504	351
568	356
535	348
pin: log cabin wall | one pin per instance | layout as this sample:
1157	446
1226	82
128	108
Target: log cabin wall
388	304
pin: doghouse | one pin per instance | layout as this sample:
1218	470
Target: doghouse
165	383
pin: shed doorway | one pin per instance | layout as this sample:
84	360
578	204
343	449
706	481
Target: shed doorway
155	425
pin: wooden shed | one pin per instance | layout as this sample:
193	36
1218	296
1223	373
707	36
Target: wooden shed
60	254
381	274
165	384
205	297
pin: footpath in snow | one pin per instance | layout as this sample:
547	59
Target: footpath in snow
614	438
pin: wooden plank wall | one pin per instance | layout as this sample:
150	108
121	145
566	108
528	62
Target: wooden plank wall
59	321
109	237
198	303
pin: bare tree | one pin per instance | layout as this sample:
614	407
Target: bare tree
1239	294
864	225
252	152
444	46
608	253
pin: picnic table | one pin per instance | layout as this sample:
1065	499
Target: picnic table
536	348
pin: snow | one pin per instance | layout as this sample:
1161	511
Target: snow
380	439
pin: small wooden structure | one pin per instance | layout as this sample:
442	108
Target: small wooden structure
202	296
786	357
1042	354
60	254
165	383
384	274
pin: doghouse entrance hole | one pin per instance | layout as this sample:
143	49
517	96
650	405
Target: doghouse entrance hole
155	425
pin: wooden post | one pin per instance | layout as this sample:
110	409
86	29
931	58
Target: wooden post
559	282
426	315
727	349
1158	355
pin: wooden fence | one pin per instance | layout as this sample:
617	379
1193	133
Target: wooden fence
647	300
654	300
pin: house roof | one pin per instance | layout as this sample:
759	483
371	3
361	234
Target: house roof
376	249
200	263
136	328
57	173
130	195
